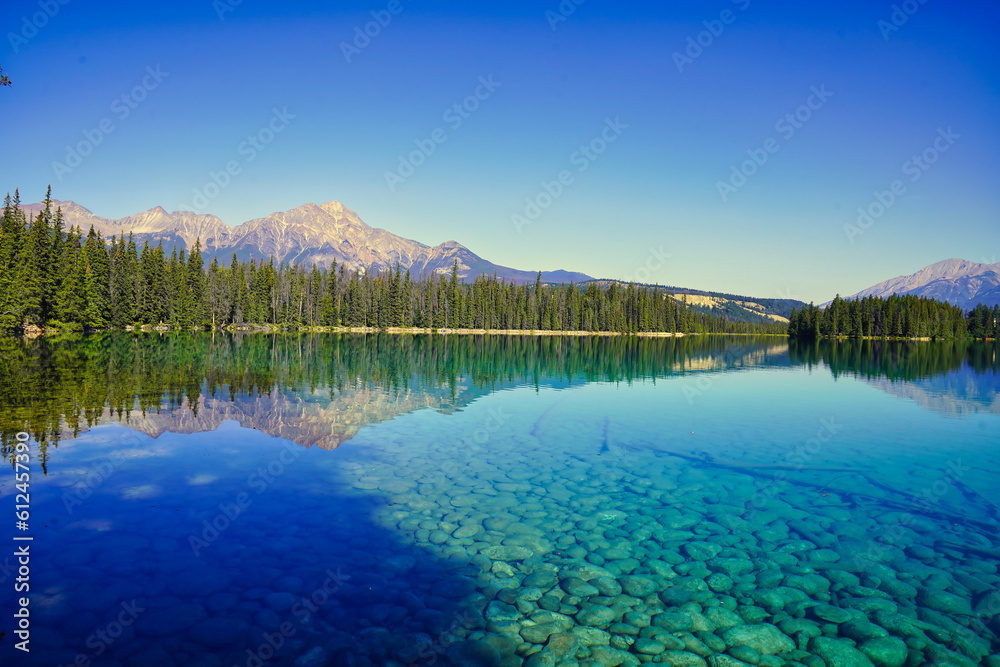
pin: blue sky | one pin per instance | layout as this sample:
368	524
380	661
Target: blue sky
197	86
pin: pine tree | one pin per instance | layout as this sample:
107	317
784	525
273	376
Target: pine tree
71	297
123	283
37	276
97	311
196	285
13	231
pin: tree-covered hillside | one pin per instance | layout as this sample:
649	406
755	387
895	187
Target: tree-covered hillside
893	317
63	279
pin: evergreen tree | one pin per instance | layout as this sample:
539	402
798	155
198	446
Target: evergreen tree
97	311
195	284
13	231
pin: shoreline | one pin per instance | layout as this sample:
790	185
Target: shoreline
35	332
455	332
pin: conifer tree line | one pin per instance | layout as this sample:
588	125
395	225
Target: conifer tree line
897	316
63	279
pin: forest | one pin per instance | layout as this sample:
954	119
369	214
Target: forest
897	316
55	278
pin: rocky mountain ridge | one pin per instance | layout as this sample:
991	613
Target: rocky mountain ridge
957	281
309	234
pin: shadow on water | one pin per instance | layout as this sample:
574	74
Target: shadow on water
279	560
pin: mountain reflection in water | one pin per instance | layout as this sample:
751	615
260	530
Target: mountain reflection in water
318	389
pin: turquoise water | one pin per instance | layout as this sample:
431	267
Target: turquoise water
733	503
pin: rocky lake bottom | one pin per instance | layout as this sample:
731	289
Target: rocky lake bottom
764	518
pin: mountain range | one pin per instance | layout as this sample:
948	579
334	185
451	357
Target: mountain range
309	234
963	283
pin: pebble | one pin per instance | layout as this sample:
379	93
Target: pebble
507	553
703	551
169	621
764	638
673	621
682	659
649	646
838	652
473	654
885	651
578	587
539	634
831	614
596	615
218	632
637	586
944	601
610	657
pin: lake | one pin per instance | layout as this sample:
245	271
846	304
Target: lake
208	499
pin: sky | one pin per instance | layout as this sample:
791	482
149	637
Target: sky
792	150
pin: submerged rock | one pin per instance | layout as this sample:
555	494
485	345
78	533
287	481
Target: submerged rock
702	550
596	615
315	657
218	632
944	602
610	657
764	638
682	659
885	651
578	587
637	586
831	614
473	654
839	653
170	620
507	553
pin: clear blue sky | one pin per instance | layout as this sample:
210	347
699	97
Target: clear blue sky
656	185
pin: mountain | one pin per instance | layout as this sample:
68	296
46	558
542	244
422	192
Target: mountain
965	284
309	234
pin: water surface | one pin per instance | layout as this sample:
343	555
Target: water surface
354	500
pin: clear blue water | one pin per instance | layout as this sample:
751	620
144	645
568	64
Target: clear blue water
735	506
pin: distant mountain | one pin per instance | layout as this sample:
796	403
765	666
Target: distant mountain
965	284
305	235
